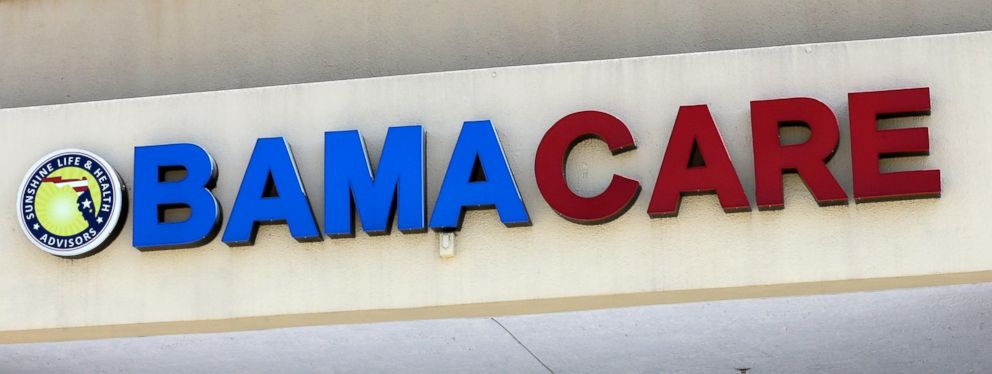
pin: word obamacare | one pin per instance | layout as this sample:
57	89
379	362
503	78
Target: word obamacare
478	175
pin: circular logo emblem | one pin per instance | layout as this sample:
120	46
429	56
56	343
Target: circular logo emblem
69	202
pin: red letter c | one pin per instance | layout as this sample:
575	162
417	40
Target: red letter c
549	167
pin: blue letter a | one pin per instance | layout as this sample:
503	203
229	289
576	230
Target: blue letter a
271	192
478	145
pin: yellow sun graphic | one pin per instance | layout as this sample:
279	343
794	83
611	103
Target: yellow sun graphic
56	204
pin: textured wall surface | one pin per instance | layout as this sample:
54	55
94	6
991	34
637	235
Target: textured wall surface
702	248
59	51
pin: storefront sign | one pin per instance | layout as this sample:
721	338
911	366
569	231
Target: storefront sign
70	202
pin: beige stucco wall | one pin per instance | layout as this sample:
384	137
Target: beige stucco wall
702	249
59	51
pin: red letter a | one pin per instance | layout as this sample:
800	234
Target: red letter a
694	128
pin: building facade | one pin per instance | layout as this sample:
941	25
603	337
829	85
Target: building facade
510	210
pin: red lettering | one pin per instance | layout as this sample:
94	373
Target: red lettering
809	159
695	128
549	168
868	144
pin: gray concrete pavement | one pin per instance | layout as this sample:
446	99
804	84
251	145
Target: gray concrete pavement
926	330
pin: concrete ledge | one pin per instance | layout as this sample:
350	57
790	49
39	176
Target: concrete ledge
564	304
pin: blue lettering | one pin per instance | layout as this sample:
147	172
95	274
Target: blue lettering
478	141
271	161
152	195
349	183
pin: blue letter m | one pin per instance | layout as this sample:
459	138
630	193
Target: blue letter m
396	188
